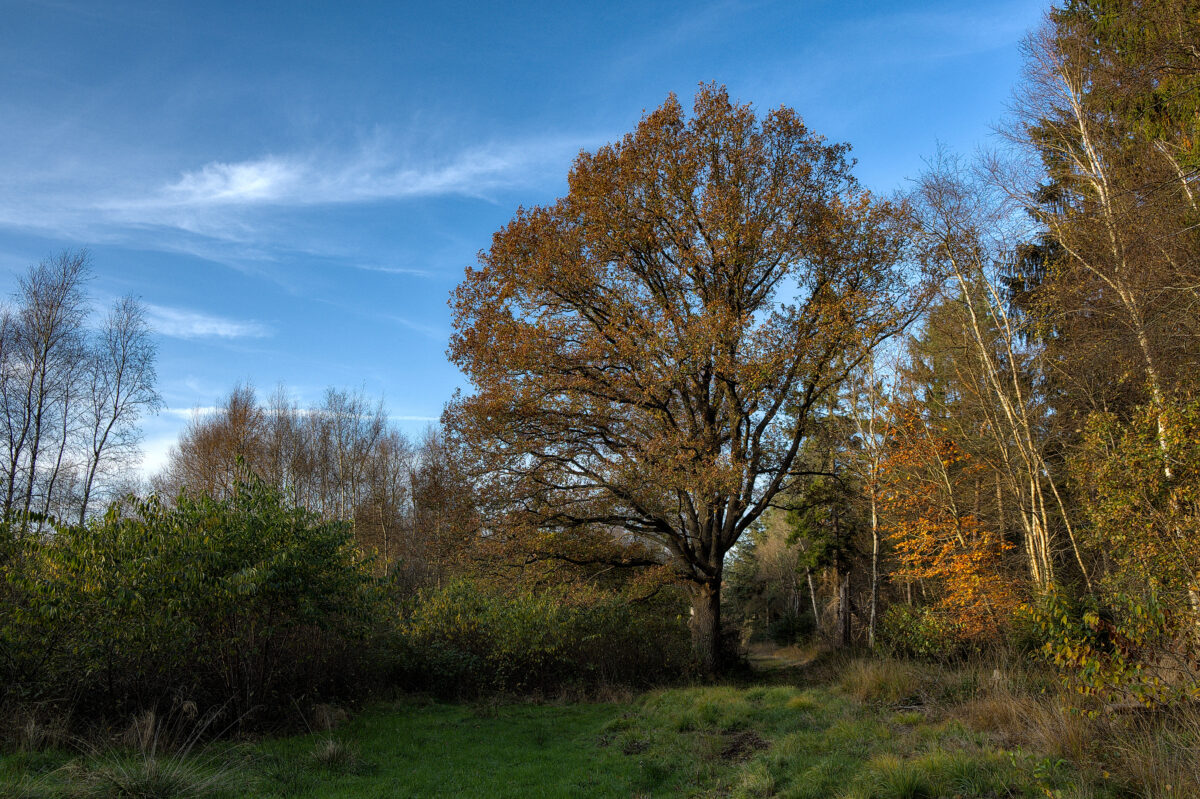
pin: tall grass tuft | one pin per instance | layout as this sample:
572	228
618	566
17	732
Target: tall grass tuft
35	728
22	787
335	756
882	681
1159	757
145	776
756	780
893	778
160	760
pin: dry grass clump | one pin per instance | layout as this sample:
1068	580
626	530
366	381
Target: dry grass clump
882	681
606	693
145	733
1157	756
325	717
35	729
1043	723
1003	715
337	756
1062	731
1149	753
115	776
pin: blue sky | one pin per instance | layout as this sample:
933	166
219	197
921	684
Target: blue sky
293	188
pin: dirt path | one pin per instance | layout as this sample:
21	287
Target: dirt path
768	658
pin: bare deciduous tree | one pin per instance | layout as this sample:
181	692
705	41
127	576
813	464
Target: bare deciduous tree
967	237
70	396
121	379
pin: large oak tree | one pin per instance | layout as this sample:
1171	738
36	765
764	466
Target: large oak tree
647	351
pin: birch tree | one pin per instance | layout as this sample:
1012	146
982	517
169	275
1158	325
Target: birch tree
964	237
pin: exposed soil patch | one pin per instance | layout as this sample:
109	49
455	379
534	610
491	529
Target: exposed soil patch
742	745
634	747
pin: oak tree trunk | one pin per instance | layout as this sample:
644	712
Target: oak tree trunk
706	626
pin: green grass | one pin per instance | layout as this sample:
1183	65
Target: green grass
455	750
726	740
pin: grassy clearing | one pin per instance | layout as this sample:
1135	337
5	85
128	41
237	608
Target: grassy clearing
870	731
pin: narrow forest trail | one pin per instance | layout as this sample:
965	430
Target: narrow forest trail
769	659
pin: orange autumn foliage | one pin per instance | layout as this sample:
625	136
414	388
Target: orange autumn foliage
649	353
957	559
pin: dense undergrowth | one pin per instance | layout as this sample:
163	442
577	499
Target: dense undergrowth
467	640
248	610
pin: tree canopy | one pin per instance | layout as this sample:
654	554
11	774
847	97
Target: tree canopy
647	350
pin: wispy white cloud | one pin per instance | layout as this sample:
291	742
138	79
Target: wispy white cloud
201	387
156	453
185	323
930	35
191	413
395	270
239	211
264	180
429	331
368	174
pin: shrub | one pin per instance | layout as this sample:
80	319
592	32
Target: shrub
240	602
1127	650
1135	639
467	638
923	633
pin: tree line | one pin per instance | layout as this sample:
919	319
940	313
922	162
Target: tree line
1022	467
342	459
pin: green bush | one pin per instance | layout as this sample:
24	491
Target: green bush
1128	649
907	631
468	638
1134	637
240	602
